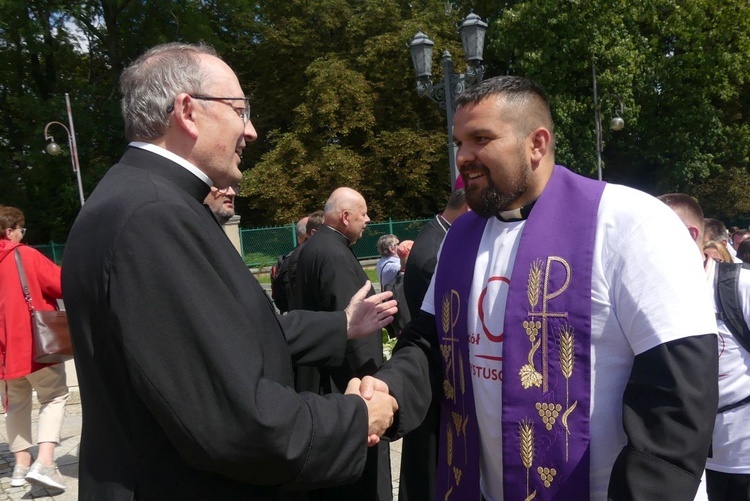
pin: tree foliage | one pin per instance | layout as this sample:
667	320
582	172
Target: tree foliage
334	101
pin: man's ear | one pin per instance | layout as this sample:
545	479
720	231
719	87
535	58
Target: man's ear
345	217
540	139
693	233
183	114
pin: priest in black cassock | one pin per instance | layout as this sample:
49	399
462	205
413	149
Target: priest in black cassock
328	274
185	369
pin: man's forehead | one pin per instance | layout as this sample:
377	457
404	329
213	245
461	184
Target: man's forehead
225	78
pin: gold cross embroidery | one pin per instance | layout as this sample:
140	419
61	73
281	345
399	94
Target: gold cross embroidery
545	314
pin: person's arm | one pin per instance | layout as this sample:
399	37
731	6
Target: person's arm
319	338
46	272
669	408
413	374
206	356
663	306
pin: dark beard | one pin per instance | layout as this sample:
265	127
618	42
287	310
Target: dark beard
488	202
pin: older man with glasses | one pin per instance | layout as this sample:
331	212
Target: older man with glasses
184	367
221	202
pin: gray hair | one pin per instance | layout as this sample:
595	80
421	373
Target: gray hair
385	242
301	228
151	83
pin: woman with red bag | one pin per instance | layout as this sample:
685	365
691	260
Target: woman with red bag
20	374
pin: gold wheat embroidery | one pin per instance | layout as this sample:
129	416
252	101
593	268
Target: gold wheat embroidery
535	282
567	351
457	475
450	393
526	429
457	421
446	318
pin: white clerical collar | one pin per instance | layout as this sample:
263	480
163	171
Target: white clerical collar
337	231
520	214
175	158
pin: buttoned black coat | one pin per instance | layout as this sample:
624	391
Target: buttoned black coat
328	275
184	369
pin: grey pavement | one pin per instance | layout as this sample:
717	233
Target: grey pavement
66	455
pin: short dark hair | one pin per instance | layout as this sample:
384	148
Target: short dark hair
528	98
10	217
314	220
743	251
684	203
714	230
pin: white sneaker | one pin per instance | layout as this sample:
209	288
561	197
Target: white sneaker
45	476
19	476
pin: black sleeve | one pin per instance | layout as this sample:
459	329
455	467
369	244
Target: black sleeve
669	408
315	338
413	374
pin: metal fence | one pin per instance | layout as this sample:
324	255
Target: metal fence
52	250
261	247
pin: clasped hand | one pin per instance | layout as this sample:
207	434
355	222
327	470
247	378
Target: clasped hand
381	406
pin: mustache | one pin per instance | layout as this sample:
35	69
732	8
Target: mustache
475	165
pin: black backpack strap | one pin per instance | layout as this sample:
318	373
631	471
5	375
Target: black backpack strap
728	301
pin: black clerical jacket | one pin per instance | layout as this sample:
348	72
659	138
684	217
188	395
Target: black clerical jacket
184	369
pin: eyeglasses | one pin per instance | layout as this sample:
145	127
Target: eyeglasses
23	231
225	191
243	113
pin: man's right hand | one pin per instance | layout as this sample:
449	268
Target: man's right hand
381	408
367	315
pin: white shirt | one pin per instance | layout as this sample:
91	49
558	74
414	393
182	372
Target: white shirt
643	294
731	439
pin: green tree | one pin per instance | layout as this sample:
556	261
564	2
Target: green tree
679	67
344	110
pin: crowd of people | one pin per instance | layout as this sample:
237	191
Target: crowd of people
554	348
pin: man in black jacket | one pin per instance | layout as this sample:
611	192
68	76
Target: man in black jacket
184	367
328	274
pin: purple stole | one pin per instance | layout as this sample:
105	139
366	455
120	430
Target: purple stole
546	351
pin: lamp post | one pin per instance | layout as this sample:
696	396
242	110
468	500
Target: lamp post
54	149
472	32
616	124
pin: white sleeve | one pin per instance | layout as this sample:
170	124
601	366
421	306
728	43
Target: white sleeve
658	290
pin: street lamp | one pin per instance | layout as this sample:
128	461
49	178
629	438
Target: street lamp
616	124
54	149
472	32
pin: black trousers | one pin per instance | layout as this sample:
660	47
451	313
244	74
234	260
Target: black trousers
727	486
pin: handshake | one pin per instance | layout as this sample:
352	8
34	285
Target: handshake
381	406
